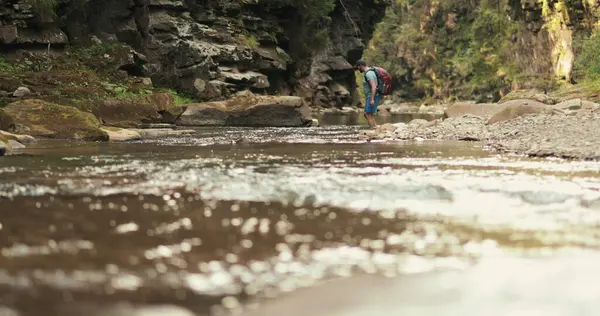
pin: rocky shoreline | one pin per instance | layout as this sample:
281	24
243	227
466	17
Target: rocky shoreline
142	117
537	127
570	129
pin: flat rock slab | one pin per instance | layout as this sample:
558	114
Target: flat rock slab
23	139
121	135
249	110
514	111
486	110
161	132
577	104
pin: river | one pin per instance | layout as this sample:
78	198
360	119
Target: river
309	221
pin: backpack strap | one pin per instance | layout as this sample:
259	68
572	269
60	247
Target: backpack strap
373	70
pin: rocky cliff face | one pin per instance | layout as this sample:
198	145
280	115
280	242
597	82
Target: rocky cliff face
210	49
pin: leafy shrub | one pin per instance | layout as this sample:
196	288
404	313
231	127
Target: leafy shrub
587	57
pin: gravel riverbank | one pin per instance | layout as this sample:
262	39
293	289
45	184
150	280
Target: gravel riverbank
574	135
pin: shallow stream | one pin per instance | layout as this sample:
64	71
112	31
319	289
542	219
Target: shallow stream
307	221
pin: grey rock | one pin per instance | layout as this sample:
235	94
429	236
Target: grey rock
203	115
338	63
399	127
480	109
187	40
339	89
23	139
248	111
417	122
167	4
15	145
121	134
161	132
14	34
250	78
576	104
519	109
21	92
206	89
528	94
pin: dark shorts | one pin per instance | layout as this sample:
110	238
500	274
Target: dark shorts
368	107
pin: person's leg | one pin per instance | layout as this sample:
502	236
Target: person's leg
370	120
370	110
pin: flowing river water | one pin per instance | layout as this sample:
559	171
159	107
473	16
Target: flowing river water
285	221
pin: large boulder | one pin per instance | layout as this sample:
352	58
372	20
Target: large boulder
204	114
518	108
249	110
134	112
40	118
166	106
480	109
126	112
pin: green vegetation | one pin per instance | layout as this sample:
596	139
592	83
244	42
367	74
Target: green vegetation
457	49
587	61
315	22
80	77
248	40
179	98
45	7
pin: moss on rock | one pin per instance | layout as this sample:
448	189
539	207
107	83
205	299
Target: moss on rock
7	123
55	121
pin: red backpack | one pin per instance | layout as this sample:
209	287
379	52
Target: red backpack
384	80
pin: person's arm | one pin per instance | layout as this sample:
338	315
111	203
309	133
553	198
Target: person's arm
373	91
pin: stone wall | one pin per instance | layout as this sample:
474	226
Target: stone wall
209	49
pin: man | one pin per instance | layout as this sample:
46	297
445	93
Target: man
373	98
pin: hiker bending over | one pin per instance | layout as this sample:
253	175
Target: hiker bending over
373	96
